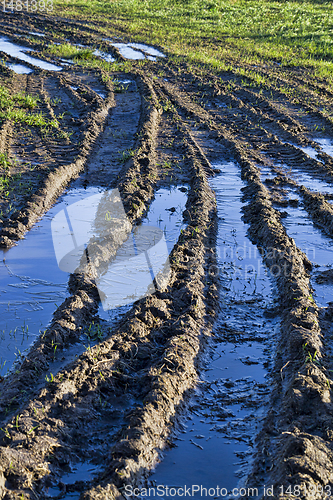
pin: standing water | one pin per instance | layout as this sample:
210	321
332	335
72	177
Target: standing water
14	50
317	246
214	450
31	283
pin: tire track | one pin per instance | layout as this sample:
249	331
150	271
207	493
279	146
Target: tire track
163	368
52	184
300	326
152	357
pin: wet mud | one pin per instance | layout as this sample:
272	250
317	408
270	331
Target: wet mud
230	358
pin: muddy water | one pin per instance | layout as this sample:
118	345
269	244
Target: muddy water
308	150
20	69
317	246
166	213
301	177
146	48
35	33
31	283
217	440
127	51
104	55
314	184
325	145
136	51
19	52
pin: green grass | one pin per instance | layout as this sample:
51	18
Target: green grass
220	32
84	57
4	161
17	107
69	51
36	120
7	101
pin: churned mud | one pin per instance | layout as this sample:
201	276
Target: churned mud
216	442
220	373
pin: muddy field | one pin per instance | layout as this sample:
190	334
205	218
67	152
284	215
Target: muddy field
222	375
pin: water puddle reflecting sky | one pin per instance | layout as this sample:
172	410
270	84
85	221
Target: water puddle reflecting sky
31	282
20	69
317	246
217	443
135	51
19	52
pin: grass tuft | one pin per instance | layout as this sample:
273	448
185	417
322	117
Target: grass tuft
69	51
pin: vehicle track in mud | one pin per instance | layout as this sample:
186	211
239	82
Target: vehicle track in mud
118	403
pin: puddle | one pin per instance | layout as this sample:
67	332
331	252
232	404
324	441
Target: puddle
82	471
326	145
308	150
36	34
99	92
127	52
125	84
165	213
19	68
143	51
311	183
216	445
134	51
29	293
146	48
317	247
67	62
104	55
19	52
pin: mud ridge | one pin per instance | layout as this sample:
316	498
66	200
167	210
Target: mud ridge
54	183
253	104
297	87
258	140
138	179
154	353
319	209
301	395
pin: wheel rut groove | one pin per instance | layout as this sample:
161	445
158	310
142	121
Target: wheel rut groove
120	401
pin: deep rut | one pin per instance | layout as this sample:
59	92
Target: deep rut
116	404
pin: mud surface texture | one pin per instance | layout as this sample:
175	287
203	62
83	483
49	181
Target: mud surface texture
116	405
